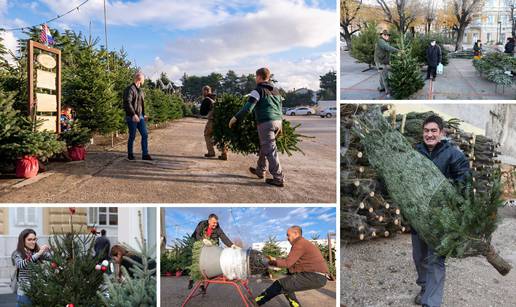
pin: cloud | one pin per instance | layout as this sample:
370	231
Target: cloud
327	217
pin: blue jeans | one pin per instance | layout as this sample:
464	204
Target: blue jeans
142	128
431	272
22	300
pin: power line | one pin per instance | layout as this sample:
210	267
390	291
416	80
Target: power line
50	20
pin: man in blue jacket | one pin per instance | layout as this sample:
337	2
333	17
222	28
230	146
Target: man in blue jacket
452	162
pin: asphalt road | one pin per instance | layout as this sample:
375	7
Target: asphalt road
180	173
174	291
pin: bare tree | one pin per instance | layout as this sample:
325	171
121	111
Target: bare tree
402	14
430	15
464	11
348	14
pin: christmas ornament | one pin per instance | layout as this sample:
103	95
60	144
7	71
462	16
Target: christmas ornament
103	268
93	230
105	263
97	267
53	265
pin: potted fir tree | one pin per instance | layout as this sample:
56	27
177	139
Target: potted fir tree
76	138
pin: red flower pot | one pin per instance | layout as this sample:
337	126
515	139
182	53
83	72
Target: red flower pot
77	153
27	167
179	273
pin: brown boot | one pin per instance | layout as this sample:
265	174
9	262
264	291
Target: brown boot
254	172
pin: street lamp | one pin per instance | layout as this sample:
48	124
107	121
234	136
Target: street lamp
499	32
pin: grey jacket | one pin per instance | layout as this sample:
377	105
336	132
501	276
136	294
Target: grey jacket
134	101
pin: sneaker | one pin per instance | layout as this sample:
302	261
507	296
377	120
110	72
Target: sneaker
223	157
147	157
381	89
131	157
209	155
275	182
417	299
254	172
203	289
190	284
258	299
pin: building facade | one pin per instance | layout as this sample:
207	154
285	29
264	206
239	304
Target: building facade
492	25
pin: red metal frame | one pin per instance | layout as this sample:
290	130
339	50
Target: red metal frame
238	284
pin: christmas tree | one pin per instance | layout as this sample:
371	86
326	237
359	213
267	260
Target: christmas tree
456	221
138	289
405	76
243	138
363	45
70	277
18	135
90	92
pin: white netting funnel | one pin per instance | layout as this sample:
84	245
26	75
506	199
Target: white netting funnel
234	263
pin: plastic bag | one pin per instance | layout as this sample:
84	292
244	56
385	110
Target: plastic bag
27	167
440	69
77	153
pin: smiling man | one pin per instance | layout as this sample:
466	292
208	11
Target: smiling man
452	162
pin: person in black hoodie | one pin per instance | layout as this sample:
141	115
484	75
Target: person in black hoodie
433	59
207	106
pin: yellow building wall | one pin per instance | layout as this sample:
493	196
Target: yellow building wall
4	221
57	220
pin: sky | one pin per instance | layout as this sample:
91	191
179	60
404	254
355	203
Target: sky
296	39
252	225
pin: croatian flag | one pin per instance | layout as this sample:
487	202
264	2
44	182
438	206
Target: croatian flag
45	36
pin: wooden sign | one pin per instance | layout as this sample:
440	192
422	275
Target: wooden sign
44	82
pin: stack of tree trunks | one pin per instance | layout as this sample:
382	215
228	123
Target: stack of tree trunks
366	209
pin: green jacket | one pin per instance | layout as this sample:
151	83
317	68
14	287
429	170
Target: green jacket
266	102
382	52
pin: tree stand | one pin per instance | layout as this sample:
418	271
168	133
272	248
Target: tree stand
238	284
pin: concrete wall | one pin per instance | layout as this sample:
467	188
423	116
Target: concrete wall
58	220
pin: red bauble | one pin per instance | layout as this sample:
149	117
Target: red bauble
103	268
70	305
53	265
93	230
71	210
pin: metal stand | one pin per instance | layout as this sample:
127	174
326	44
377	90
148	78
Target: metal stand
239	284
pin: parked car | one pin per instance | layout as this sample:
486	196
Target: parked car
328	112
300	111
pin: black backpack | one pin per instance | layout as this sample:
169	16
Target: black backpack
206	106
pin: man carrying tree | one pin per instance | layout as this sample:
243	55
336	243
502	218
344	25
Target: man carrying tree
135	116
266	102
306	266
433	59
382	58
209	232
452	162
207	110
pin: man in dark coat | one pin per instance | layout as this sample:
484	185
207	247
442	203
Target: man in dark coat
433	59
135	118
102	246
452	163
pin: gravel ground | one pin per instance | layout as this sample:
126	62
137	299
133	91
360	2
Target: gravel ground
174	291
180	173
382	273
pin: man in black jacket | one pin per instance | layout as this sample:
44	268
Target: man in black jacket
509	46
433	58
209	232
102	246
135	116
452	162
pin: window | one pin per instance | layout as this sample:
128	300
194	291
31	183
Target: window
25	217
103	216
491	19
